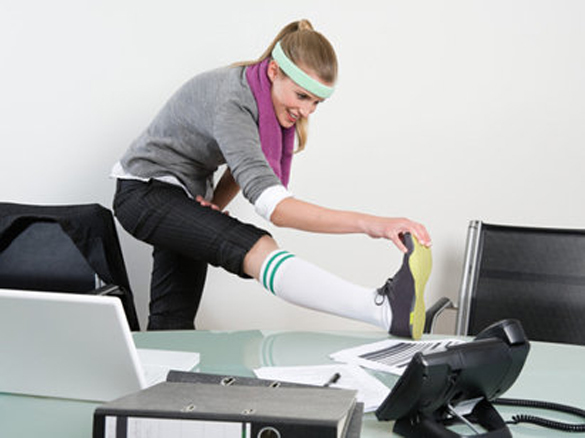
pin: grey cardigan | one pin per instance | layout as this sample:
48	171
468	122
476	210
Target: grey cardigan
211	120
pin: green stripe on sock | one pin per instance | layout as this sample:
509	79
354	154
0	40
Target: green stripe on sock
267	268
275	269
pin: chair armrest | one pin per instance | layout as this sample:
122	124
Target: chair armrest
111	290
434	311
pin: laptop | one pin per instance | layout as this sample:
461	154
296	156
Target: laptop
76	347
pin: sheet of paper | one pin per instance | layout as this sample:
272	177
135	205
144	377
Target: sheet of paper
157	363
390	355
370	390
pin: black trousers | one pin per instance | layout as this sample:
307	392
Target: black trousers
186	237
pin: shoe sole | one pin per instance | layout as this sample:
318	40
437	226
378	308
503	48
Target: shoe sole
420	264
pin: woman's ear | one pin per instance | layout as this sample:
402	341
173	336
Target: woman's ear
272	70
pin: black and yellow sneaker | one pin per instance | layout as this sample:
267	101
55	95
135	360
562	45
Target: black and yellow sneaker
405	291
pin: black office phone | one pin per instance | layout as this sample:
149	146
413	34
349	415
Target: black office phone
458	384
462	383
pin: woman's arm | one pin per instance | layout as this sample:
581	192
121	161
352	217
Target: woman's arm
301	215
225	191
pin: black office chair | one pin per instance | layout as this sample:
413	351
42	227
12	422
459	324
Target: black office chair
535	275
67	248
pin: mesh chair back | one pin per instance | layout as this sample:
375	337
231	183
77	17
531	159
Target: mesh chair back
535	275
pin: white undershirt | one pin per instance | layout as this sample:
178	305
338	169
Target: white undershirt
264	206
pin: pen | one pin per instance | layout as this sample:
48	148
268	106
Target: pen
334	378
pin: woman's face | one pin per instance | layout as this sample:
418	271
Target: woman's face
290	101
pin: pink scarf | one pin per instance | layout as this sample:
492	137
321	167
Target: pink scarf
277	142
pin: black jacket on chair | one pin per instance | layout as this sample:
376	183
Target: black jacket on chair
63	248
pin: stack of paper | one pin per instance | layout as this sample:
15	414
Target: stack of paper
370	391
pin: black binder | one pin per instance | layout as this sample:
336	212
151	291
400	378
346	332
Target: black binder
243	407
354	429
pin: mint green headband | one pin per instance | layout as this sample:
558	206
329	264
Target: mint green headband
299	76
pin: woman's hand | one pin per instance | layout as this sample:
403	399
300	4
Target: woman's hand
393	228
206	203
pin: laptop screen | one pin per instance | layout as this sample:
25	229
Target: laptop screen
67	346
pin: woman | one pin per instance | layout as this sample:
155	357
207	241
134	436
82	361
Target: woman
247	116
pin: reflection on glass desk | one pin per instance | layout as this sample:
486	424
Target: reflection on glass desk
553	372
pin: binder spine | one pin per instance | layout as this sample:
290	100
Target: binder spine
120	426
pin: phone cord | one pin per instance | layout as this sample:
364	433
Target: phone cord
551	424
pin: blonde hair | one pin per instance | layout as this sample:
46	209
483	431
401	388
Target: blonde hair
309	49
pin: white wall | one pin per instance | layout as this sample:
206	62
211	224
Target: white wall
446	111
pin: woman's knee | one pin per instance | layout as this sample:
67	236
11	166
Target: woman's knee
255	257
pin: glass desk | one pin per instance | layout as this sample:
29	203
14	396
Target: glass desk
553	372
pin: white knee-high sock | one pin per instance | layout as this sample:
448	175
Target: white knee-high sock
304	284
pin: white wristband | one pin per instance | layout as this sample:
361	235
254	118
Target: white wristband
269	199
